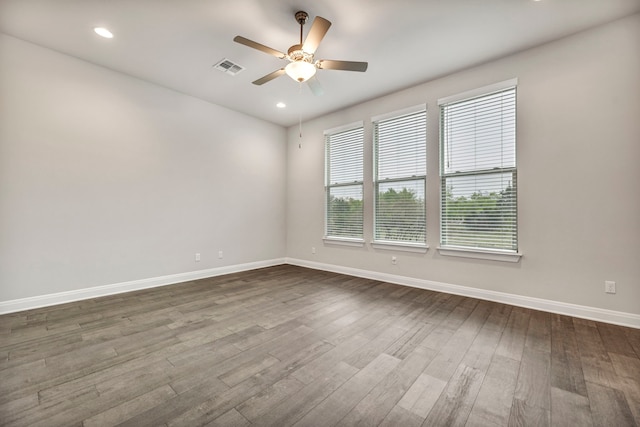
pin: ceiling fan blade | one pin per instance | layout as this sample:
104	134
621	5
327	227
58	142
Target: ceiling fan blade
329	64
315	86
261	47
318	29
269	77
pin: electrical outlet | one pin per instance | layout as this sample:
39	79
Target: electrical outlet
394	260
197	257
220	254
610	287
313	249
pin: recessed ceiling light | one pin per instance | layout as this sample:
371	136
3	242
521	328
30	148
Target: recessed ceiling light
103	32
281	105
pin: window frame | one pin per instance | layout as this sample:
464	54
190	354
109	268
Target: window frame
496	254
336	239
401	245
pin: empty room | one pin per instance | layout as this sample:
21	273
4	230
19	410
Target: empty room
319	213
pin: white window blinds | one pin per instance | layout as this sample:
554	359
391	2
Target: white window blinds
478	171
344	170
400	166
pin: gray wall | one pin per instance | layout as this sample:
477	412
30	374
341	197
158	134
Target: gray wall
578	175
105	178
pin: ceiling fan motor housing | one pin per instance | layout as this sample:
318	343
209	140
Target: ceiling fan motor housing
295	53
302	17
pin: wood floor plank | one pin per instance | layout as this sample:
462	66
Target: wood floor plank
285	345
225	399
401	417
404	345
377	345
248	369
482	349
513	337
260	404
318	367
625	366
198	373
183	402
539	332
566	367
631	389
499	317
615	339
596	364
127	410
633	337
456	401
609	406
569	409
231	418
284	414
494	400
15	378
69	384
422	395
55	412
13	409
451	354
360	324
339	403
375	406
523	415
291	410
534	380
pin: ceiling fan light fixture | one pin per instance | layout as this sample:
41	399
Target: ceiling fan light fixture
300	71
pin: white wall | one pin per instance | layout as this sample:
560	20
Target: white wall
106	179
578	175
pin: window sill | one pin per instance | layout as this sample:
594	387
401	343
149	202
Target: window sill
344	241
480	254
400	246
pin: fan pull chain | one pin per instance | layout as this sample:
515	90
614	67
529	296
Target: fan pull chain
300	118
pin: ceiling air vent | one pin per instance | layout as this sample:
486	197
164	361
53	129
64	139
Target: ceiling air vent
229	67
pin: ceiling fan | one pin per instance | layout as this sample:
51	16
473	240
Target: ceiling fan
302	65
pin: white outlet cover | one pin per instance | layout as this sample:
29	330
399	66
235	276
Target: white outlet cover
610	287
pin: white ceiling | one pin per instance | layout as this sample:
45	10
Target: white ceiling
174	43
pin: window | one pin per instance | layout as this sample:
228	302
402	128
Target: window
400	167
478	169
344	169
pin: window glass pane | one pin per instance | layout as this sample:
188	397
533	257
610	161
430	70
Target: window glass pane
401	148
480	134
479	211
400	211
344	211
345	156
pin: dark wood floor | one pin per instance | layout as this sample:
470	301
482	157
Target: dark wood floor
290	346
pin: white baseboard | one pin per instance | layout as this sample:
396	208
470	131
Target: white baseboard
22	304
581	311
